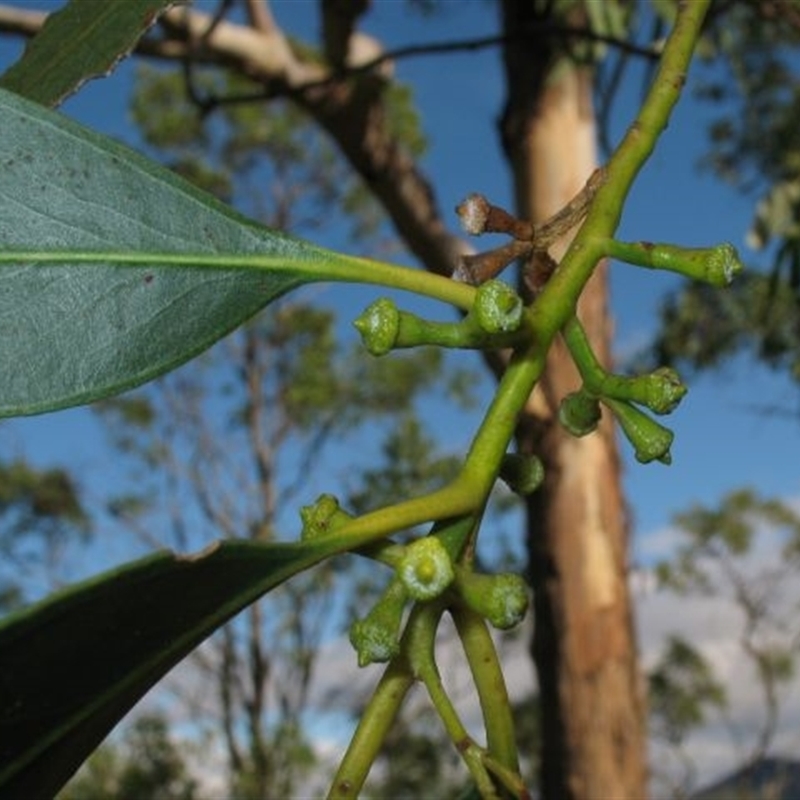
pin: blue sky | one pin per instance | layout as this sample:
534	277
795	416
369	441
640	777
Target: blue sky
720	443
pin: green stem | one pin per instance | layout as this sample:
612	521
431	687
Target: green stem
373	726
350	269
453	500
464	335
596	380
458	535
454	534
415	662
592	372
493	436
420	652
511	780
713	265
467	493
560	295
491	687
551	311
660	391
556	304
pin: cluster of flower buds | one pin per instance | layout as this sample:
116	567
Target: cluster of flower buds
493	322
424	572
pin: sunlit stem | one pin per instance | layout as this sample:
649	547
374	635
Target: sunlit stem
490	684
421	642
511	780
716	265
559	297
555	305
660	391
373	726
552	310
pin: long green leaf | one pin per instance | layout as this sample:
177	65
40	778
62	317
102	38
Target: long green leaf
83	40
114	271
73	665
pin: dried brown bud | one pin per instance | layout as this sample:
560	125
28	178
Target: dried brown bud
479	216
477	269
473	211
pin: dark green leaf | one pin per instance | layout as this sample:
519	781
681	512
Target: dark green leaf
83	40
73	665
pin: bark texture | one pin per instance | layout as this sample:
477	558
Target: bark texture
593	724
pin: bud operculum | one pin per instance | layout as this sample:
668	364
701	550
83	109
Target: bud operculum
379	326
522	474
322	517
651	441
579	413
376	637
425	568
500	599
664	390
724	264
473	211
497	308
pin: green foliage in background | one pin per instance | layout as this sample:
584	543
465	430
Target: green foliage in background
113	272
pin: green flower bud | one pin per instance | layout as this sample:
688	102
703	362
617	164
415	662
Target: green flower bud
379	326
501	599
322	517
663	390
425	568
497	308
723	265
651	441
376	638
579	413
715	265
522	474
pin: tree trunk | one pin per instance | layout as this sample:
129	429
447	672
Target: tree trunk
593	725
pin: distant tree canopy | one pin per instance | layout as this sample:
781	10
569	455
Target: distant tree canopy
753	84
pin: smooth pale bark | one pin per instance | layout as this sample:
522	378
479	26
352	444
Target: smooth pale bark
593	720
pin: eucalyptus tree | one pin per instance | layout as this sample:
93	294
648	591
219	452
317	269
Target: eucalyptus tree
592	708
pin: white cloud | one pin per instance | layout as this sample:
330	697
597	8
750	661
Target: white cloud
714	626
657	545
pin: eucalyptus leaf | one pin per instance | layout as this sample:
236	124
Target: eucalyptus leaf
73	665
83	40
114	270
